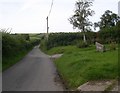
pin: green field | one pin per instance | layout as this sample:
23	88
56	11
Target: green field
35	36
78	66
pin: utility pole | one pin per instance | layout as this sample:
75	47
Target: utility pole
47	28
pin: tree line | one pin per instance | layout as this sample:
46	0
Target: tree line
109	28
104	36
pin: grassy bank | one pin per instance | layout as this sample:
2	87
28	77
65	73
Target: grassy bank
15	47
11	60
78	66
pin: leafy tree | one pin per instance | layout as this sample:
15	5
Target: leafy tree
96	25
80	18
108	19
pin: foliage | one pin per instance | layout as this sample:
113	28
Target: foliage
43	45
104	36
108	19
112	46
109	28
26	36
14	45
108	35
81	44
64	39
80	19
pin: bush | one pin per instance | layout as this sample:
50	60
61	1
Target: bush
108	35
82	44
64	39
113	46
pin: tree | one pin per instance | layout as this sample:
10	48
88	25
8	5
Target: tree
80	19
96	25
108	19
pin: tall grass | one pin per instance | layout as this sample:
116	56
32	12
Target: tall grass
79	65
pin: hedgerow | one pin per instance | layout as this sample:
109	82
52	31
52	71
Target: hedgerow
14	47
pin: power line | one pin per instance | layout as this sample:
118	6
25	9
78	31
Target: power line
47	35
50	8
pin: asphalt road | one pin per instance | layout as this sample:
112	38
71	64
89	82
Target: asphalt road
35	72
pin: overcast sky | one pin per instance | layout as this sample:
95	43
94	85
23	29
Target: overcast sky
29	16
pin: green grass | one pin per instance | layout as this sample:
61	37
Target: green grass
11	60
78	66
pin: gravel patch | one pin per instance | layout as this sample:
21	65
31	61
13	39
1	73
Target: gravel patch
55	56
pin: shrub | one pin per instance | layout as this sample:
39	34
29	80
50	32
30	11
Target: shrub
82	44
113	46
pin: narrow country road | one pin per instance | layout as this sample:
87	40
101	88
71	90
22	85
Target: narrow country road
35	72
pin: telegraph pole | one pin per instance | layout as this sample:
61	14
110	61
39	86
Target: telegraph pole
47	28
47	35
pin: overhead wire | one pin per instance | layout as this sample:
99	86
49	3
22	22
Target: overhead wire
49	12
50	8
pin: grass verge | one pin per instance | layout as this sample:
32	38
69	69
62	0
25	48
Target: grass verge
11	60
79	65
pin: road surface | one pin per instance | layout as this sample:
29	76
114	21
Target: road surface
35	72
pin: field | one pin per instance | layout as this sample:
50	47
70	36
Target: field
79	65
34	36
